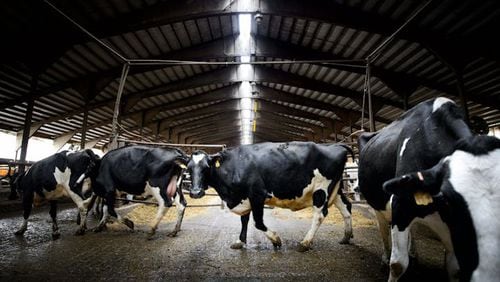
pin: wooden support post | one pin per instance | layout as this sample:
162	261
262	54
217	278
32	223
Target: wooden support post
27	122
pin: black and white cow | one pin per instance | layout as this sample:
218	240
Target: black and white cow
61	174
417	140
464	189
140	170
291	175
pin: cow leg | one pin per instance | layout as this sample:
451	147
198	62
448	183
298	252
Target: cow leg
399	255
82	210
27	206
53	215
318	218
346	214
383	226
104	219
258	217
162	210
436	224
180	204
243	234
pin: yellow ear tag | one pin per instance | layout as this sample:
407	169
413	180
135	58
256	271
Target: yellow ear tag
217	163
183	166
422	198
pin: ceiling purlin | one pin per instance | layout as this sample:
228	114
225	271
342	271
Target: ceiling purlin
324	11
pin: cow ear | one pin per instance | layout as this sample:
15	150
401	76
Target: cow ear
403	184
215	160
181	163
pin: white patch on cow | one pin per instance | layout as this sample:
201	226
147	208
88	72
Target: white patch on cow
404	146
87	185
318	182
477	179
399	255
243	208
80	179
62	184
70	152
162	210
439	102
63	189
197	158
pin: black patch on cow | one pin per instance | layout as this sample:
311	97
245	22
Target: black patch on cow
129	168
432	136
478	145
282	169
319	198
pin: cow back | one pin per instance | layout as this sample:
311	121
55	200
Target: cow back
129	168
283	169
417	140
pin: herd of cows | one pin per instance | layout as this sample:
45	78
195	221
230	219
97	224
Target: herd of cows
426	167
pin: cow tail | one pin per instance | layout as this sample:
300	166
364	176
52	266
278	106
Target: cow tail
348	148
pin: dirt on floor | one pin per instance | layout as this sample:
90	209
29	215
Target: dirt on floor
201	251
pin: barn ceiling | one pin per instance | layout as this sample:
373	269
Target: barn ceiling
200	103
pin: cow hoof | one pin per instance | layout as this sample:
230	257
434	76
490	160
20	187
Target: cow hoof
277	244
303	248
56	236
396	270
99	228
345	241
172	234
129	223
237	245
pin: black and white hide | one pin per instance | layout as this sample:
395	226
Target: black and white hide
418	140
464	189
62	174
291	175
141	170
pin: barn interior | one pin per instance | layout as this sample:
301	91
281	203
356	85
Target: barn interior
237	72
212	74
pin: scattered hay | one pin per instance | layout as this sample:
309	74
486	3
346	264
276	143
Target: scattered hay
333	217
143	214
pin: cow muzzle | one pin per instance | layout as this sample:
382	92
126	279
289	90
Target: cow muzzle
197	193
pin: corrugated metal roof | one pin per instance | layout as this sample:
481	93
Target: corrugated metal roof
73	70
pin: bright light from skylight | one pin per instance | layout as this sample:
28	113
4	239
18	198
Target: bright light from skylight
245	73
245	24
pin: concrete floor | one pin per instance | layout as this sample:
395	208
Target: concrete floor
200	252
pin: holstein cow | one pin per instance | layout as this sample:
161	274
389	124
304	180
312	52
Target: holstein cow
140	170
61	174
417	140
291	175
464	188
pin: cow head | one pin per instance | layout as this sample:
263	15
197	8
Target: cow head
421	185
199	166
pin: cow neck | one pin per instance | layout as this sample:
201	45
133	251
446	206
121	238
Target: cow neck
214	180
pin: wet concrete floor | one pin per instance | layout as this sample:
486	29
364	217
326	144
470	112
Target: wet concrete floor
200	252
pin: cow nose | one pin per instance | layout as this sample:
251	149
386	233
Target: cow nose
196	194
